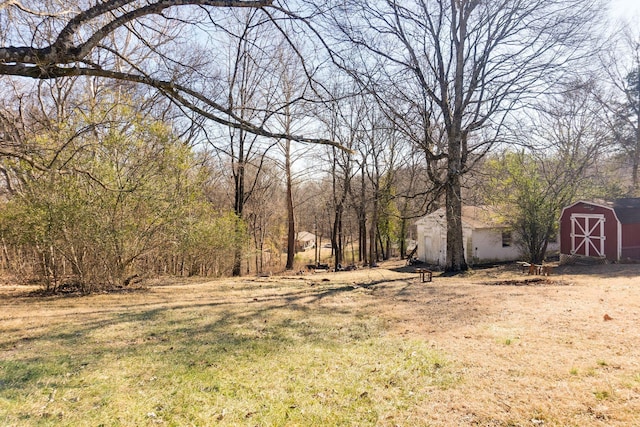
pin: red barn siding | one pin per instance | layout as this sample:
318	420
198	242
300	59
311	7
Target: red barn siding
611	225
621	228
631	241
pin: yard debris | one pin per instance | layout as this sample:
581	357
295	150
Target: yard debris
221	415
607	317
536	281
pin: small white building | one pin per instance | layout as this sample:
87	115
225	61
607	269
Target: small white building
305	241
486	238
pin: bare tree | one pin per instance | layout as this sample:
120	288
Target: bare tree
289	85
565	140
343	121
622	67
263	216
416	194
449	72
84	39
251	97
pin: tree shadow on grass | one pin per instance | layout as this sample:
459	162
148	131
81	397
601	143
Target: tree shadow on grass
180	333
194	332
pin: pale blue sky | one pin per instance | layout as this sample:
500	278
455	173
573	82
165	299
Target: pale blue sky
626	9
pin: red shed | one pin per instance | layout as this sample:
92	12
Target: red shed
602	230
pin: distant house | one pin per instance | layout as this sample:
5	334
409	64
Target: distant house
305	240
485	237
605	230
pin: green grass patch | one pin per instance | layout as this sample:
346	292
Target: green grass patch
591	372
228	365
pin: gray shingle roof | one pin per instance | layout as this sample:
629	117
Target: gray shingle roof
627	210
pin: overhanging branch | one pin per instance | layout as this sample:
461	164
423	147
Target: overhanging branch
179	93
62	58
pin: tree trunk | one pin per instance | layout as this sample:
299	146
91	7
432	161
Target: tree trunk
457	149
239	204
636	142
388	249
362	222
455	261
373	226
336	236
403	238
373	258
383	245
636	154
291	230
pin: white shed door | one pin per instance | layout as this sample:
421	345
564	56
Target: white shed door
433	250
587	235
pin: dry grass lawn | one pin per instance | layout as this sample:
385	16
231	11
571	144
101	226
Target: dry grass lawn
369	347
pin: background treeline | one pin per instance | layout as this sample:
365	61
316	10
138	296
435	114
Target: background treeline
108	182
104	190
108	188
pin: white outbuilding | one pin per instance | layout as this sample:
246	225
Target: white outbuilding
486	238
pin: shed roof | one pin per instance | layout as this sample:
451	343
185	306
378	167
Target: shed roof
482	217
305	236
476	217
627	210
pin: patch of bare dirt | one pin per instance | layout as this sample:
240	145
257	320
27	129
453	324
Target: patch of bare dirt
536	281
